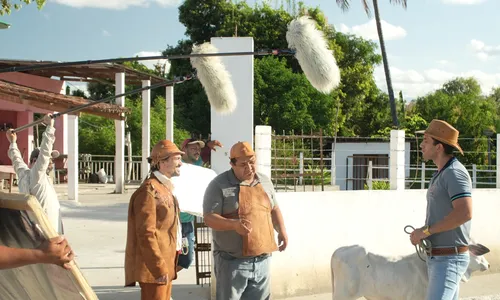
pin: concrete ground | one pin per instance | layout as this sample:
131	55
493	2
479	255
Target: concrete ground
100	217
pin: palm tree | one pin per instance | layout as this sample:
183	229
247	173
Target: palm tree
344	5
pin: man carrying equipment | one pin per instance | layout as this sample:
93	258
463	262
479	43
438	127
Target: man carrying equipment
35	181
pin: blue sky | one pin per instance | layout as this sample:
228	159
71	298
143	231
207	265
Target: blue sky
430	42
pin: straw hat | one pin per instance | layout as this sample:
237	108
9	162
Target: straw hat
443	132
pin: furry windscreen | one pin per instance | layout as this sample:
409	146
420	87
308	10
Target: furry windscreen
315	59
214	78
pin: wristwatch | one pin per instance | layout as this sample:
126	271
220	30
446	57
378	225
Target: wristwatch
426	231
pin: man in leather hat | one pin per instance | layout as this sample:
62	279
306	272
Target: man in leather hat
240	206
153	227
449	213
35	180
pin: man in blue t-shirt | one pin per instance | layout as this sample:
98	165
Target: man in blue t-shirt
198	153
449	213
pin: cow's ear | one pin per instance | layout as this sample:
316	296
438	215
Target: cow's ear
478	249
483	248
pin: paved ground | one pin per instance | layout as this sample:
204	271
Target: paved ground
100	217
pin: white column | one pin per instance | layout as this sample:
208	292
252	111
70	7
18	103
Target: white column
263	141
498	161
397	160
169	97
72	161
146	125
119	176
223	127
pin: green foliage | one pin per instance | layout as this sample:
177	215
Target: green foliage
97	134
8	5
379	185
461	104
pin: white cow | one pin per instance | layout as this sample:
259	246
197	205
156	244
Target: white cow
357	273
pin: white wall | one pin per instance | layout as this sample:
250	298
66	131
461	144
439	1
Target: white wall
238	126
319	222
343	150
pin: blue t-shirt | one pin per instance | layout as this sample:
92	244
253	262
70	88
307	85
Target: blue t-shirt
447	185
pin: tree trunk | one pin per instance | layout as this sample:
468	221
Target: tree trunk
392	102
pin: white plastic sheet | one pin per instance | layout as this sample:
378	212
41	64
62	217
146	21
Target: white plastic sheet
190	186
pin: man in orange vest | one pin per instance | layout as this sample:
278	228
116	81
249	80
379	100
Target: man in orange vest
241	208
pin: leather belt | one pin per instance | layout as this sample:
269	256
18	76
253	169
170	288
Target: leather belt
448	251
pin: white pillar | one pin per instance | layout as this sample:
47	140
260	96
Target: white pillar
498	160
169	97
72	161
119	176
397	160
223	127
263	141
146	125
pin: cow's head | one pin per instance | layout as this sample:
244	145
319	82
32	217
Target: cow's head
477	260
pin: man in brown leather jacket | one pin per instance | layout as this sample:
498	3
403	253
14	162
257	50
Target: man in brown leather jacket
240	206
153	227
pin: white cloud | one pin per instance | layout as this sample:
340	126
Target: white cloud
444	62
369	30
414	83
463	2
115	4
482	51
105	33
150	63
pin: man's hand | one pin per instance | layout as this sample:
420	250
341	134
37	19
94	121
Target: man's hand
162	279
243	227
11	135
417	235
57	251
212	144
282	241
48	120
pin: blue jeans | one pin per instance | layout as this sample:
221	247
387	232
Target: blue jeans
242	278
185	260
445	273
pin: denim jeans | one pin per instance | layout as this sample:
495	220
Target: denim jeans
242	278
445	273
185	260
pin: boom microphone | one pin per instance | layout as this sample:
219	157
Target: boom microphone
214	78
315	59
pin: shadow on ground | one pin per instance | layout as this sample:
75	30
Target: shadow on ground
179	292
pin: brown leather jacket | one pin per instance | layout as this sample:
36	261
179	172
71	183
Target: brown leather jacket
151	234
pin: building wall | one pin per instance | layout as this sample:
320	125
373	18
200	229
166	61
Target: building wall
23	114
320	222
237	126
343	150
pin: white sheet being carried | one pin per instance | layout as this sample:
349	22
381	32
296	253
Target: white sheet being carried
190	186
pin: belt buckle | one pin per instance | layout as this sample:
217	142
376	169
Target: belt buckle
456	250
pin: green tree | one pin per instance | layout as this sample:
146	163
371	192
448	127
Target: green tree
460	103
8	5
344	5
356	58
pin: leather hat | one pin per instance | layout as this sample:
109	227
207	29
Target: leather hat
241	149
162	150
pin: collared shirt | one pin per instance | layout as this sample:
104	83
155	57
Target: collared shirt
168	183
35	181
450	183
221	197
